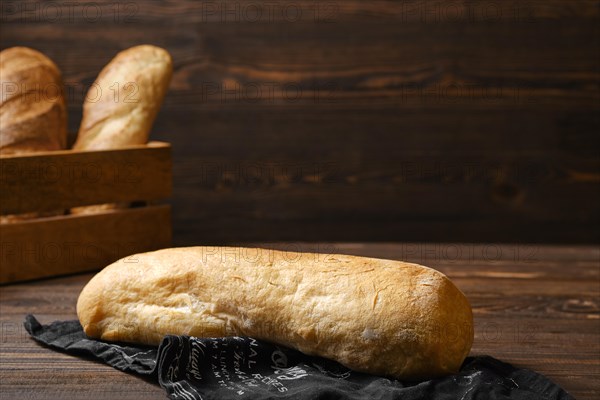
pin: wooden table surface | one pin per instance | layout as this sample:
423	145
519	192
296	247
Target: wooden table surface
535	306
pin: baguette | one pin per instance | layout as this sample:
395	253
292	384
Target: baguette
376	316
32	103
33	113
123	102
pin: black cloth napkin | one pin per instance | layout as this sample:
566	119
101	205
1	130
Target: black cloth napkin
243	368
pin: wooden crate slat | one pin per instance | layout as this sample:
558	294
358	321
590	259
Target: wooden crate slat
59	180
68	244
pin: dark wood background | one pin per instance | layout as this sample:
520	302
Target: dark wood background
357	120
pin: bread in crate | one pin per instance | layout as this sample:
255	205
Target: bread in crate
110	168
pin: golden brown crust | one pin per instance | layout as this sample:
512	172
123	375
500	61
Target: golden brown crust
121	105
32	104
376	316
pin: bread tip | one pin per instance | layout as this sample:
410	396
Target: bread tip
27	53
148	49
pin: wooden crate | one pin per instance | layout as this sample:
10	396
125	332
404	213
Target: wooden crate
63	244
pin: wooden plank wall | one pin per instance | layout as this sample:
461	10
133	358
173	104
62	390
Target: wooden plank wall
356	120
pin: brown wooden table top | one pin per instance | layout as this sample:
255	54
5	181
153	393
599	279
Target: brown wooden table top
535	306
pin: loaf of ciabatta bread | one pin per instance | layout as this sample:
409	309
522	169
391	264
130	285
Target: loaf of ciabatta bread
376	316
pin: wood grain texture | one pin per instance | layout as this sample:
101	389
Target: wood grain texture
534	306
354	120
74	243
60	180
